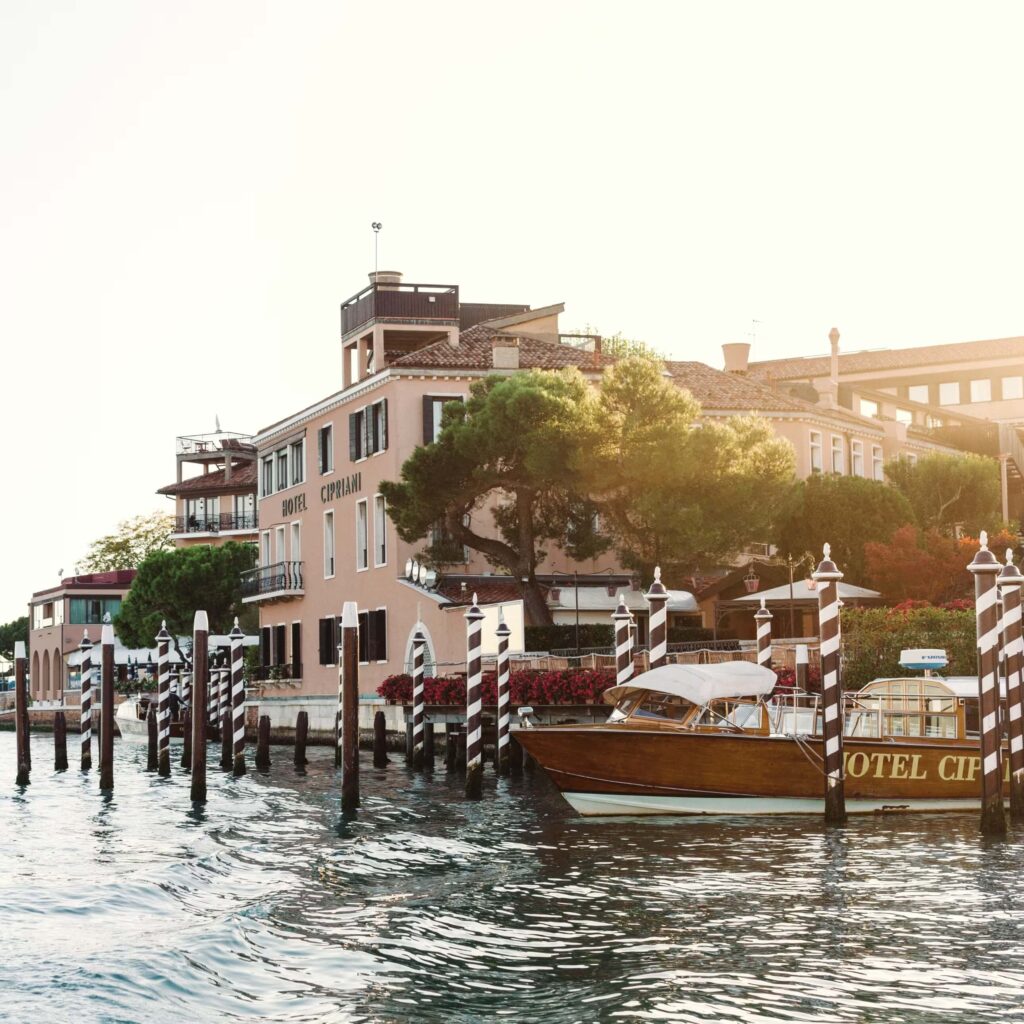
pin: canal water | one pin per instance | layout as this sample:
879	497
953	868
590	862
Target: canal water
266	906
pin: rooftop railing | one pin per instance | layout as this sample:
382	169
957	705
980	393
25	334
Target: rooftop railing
414	302
222	440
222	523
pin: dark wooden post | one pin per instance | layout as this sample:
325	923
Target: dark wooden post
657	601
107	705
153	737
827	576
60	741
460	750
186	735
227	758
350	706
985	568
428	744
515	757
419	643
21	712
501	764
474	701
236	636
449	746
1009	583
408	742
380	741
263	743
301	735
85	668
200	699
163	697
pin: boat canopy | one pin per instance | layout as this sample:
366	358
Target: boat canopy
700	683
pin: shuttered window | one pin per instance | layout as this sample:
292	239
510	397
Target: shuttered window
280	639
328	641
368	430
296	650
325	448
373	635
265	645
433	406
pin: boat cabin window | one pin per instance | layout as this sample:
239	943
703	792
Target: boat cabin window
665	706
904	707
726	714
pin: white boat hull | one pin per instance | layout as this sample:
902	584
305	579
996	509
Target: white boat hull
132	728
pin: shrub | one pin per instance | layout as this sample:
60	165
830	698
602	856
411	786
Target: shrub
690	634
574	686
555	638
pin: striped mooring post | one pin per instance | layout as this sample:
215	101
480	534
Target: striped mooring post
163	700
236	636
107	704
623	643
348	733
225	705
474	701
985	567
501	761
213	695
201	667
763	618
657	601
338	729
419	644
85	647
827	576
1009	583
21	713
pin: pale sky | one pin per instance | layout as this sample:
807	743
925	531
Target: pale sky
186	191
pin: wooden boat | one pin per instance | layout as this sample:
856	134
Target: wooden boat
130	719
712	739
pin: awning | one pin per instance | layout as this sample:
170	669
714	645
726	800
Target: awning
700	683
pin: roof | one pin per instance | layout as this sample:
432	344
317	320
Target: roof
597	599
243	477
700	683
801	592
890	359
488	591
118	579
474	352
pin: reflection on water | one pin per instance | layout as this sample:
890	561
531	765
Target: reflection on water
266	905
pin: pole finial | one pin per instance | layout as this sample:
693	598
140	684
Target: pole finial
657	574
762	604
236	622
826	550
1009	556
983	540
474	597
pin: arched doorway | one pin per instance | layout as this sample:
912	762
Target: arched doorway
37	679
57	668
46	675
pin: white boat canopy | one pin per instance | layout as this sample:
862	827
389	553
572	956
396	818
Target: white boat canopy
700	683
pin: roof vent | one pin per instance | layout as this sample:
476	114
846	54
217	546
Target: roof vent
736	355
385	278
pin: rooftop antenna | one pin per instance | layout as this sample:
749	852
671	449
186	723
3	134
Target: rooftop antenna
376	225
216	422
752	333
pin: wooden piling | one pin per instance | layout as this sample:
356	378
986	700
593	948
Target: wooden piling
263	744
301	735
827	577
504	697
21	713
200	699
474	702
1009	583
409	742
153	736
380	739
460	751
449	746
163	698
60	742
350	707
515	757
237	637
428	744
85	706
186	735
107	705
227	757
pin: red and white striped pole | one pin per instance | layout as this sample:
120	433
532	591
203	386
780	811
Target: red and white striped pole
501	758
1009	583
419	643
236	636
763	618
21	713
163	701
201	667
985	567
85	669
827	576
623	643
474	701
107	705
657	600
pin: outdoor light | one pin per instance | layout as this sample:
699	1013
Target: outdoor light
408	568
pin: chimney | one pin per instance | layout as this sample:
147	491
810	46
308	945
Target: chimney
504	352
833	370
736	354
386	280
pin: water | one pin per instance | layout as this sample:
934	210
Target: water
265	906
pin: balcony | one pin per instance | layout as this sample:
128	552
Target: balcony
226	522
291	672
280	581
208	444
412	303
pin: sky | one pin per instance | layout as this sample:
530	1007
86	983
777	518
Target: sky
187	188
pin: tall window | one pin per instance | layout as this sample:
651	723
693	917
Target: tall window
296	542
328	641
265	558
433	408
325	448
877	471
362	551
268	475
328	547
281	476
857	458
368	430
279	539
298	461
981	390
918	393
949	393
380	536
837	454
1013	387
373	636
816	455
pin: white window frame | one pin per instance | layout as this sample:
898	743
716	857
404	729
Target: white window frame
267	478
857	458
331	566
380	542
280	539
326	431
835	450
295	540
265	548
281	468
1020	388
950	384
987	386
911	398
817	446
297	462
363	547
877	463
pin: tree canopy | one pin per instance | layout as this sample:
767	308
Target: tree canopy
946	490
129	545
173	585
846	512
10	633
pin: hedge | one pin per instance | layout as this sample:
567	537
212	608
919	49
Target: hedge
581	686
557	638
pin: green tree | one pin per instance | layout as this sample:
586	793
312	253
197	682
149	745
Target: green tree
10	633
173	585
673	492
846	512
947	490
617	346
508	458
129	545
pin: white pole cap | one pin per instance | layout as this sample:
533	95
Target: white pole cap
19	649
201	622
349	615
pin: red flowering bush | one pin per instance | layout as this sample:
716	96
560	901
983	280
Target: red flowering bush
787	679
573	686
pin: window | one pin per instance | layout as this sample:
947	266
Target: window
328	641
433	407
1013	387
918	393
368	430
380	536
296	542
325	448
362	553
88	611
949	393
933	421
281	476
911	458
279	544
243	507
265	558
268	475
328	549
868	408
904	416
444	548
816	463
280	638
981	390
837	454
298	461
373	636
857	458
877	470
296	650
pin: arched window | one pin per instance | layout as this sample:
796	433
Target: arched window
46	675
57	668
37	679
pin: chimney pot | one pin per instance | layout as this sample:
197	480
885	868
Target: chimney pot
736	355
504	352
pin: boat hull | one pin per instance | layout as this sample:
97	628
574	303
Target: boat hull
624	769
136	730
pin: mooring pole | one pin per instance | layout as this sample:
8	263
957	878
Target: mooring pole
428	744
380	740
107	705
501	762
201	668
163	700
657	601
60	741
419	643
1009	583
152	739
301	735
474	701
623	643
350	706
226	702
827	576
763	618
263	744
85	667
236	636
212	695
339	729
985	567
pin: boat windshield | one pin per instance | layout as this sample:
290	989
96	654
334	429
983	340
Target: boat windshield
649	704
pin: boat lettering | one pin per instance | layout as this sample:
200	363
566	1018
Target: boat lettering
857	764
908	766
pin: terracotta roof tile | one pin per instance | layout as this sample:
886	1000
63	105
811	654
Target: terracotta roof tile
242	478
492	591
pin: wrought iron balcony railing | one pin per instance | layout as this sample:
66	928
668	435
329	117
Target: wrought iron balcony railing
216	524
279	578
